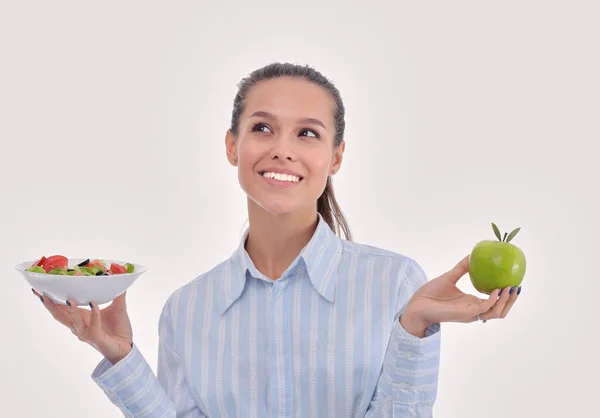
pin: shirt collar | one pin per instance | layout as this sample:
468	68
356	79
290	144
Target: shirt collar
321	257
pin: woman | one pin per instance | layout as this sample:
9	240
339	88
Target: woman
297	322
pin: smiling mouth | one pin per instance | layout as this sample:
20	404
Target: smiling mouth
289	178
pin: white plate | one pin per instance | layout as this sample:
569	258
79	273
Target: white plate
81	289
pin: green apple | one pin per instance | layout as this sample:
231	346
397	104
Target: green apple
496	264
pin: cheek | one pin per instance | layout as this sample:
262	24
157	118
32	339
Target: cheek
318	171
248	155
320	164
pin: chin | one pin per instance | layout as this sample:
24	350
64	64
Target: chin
277	202
278	205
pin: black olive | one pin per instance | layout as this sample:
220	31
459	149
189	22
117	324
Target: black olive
83	263
105	274
100	273
70	270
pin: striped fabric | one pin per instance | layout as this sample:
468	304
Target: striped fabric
324	340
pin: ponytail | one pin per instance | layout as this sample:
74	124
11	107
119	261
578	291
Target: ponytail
331	212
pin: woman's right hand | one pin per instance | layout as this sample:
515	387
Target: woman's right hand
107	330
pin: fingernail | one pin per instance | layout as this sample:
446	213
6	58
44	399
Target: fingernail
519	291
42	299
91	306
68	304
511	290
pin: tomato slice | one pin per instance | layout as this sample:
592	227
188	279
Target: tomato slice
117	269
55	262
39	262
96	263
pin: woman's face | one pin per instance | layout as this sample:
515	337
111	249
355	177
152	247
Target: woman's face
285	147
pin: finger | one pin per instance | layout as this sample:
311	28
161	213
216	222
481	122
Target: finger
511	301
79	326
37	294
459	270
93	331
496	310
95	328
484	305
58	312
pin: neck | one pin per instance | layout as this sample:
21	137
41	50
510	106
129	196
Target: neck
274	241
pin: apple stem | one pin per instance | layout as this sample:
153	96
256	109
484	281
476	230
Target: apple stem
504	238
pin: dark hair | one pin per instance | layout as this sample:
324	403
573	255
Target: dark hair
327	205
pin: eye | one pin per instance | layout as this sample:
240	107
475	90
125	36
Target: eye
316	135
257	127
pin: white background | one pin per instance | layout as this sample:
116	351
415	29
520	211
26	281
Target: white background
459	114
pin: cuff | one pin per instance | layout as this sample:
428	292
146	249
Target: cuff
122	382
411	365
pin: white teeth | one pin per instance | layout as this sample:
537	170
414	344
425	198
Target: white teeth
281	177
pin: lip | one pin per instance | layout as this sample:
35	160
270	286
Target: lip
280	184
280	171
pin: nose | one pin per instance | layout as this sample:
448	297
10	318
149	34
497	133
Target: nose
283	148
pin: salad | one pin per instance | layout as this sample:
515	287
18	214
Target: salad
59	265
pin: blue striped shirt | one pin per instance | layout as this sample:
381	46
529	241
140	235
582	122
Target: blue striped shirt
323	340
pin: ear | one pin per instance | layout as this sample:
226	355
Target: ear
338	156
231	148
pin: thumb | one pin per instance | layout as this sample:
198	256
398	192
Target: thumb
120	301
459	270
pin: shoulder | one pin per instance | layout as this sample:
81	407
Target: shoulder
403	266
204	284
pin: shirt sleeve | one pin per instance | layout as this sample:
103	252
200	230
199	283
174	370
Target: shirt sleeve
132	386
407	385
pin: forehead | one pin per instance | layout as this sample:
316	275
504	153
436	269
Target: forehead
289	99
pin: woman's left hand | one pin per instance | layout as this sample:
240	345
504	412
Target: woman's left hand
439	300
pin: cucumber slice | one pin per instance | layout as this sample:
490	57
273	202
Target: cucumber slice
86	271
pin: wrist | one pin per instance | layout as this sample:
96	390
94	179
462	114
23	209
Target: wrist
413	323
122	352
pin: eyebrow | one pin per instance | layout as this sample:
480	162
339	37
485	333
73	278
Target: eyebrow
311	121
